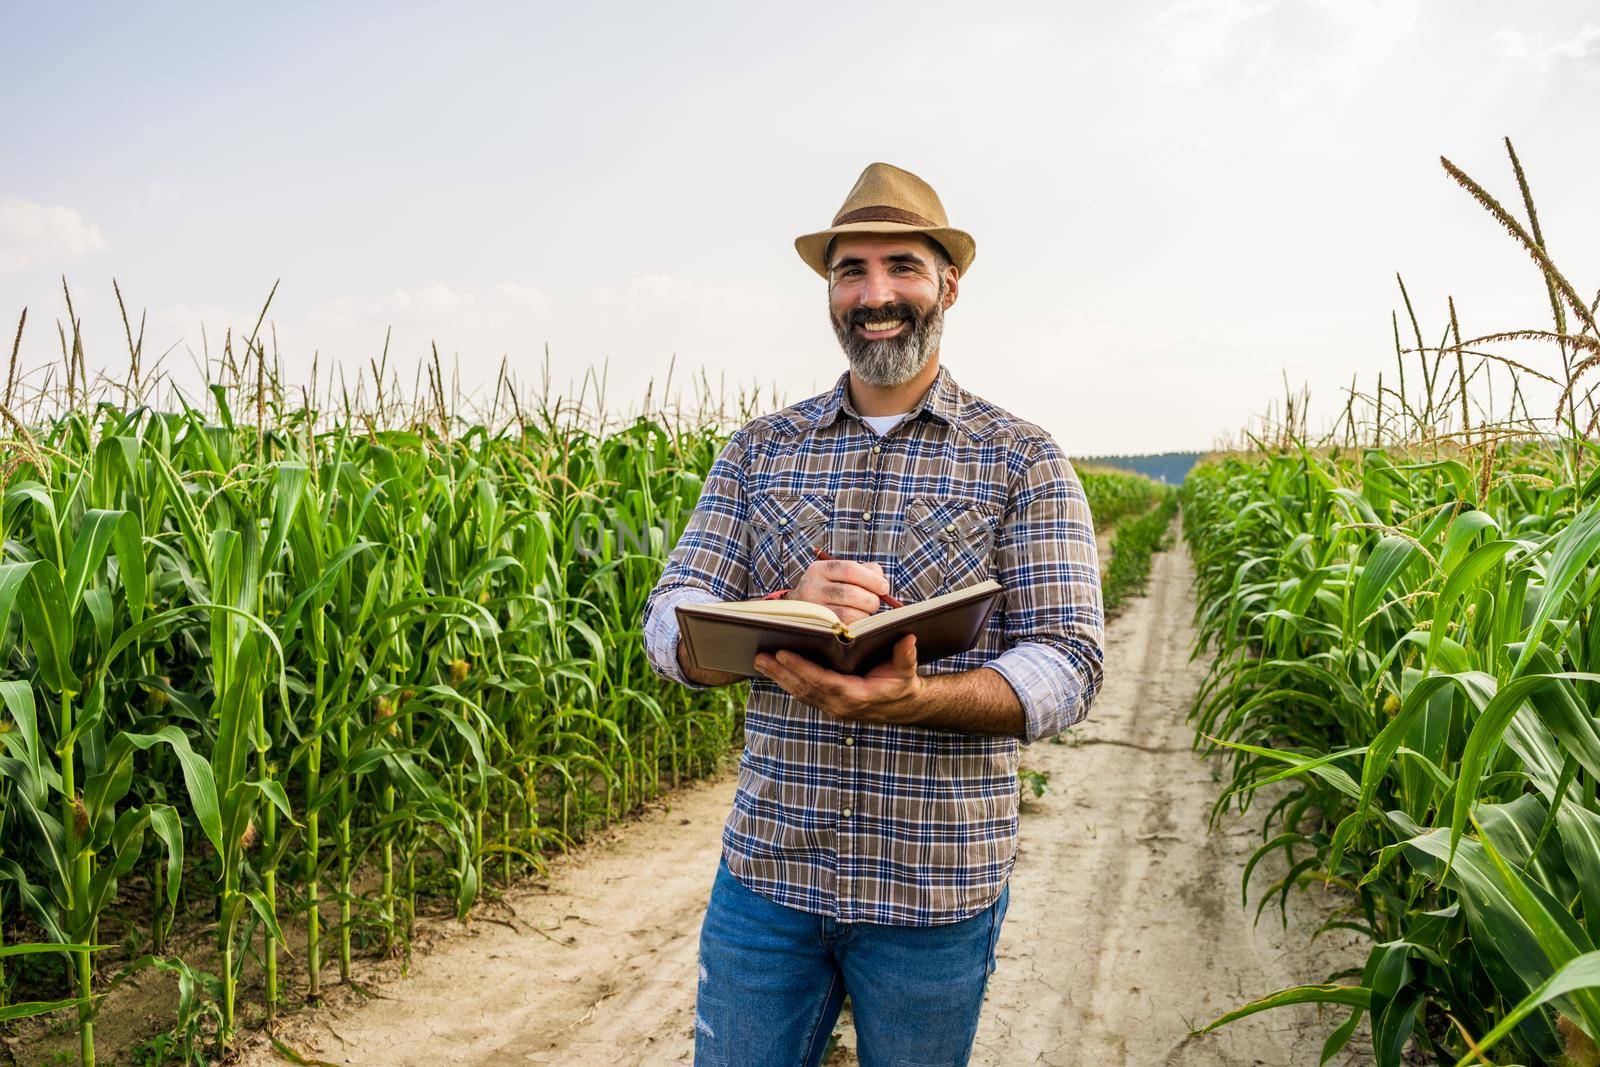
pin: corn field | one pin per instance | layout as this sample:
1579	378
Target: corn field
1406	676
283	680
1115	495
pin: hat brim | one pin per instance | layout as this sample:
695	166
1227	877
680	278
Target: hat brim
813	247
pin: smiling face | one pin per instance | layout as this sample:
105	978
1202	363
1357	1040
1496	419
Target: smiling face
886	300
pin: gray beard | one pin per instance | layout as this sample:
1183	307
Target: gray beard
895	360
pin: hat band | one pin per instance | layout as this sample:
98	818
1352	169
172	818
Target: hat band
884	213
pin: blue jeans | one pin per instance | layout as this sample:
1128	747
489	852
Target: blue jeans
773	978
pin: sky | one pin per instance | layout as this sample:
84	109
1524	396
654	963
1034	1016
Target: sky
1178	206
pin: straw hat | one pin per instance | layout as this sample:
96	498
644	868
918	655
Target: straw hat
886	199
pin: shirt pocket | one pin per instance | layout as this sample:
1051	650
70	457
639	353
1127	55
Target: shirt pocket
786	529
945	543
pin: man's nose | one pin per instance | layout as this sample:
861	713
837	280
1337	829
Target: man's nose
879	289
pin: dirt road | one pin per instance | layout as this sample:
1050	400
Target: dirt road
1124	928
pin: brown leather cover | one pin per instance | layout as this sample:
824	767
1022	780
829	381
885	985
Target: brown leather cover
719	643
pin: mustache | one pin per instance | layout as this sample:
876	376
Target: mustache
860	316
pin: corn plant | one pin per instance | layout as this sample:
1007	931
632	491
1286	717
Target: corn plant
329	657
1407	664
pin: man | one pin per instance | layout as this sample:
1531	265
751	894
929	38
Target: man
874	827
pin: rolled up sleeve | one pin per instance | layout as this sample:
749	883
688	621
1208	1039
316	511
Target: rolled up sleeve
709	562
1054	620
661	632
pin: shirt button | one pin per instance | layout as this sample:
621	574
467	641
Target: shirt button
867	517
949	527
846	813
783	521
876	449
849	740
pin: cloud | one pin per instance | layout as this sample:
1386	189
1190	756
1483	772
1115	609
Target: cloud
1578	55
430	298
1512	44
41	233
525	296
497	304
665	305
1296	45
446	313
1204	35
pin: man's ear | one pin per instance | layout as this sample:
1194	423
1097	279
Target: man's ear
952	285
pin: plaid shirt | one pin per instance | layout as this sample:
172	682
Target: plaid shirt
876	823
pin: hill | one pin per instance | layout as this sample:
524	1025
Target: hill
1169	467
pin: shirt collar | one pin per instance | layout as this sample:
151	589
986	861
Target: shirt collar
942	400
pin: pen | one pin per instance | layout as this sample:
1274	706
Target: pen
893	602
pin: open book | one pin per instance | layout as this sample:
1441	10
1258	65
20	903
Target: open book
727	636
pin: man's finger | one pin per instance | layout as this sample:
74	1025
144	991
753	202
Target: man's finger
817	680
791	673
849	595
838	570
801	668
867	575
780	675
905	653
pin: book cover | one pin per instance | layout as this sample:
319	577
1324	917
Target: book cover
727	636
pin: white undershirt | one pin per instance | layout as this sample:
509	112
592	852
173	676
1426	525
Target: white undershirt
884	423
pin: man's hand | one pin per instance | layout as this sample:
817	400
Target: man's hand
979	701
888	693
852	590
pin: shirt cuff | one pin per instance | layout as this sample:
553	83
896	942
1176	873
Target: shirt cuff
1046	684
661	632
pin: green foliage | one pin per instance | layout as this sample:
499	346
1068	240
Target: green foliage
1417	664
1134	545
1408	662
218	643
1116	495
1037	781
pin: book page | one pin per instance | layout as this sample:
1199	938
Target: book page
895	616
796	611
